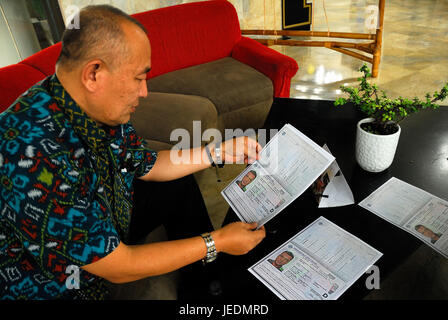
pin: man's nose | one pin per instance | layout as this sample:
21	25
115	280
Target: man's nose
143	90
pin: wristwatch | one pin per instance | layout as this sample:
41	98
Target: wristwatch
219	163
212	254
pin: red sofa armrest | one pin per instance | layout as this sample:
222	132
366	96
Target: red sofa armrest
278	67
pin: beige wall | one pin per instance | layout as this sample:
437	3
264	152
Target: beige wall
250	12
17	37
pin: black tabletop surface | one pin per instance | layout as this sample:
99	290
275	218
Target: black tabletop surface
421	159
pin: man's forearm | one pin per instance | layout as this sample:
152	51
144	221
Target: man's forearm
173	164
130	263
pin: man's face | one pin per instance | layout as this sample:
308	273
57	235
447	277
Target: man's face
426	232
247	178
126	83
283	259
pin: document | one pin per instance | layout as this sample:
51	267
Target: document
413	210
331	189
319	263
288	165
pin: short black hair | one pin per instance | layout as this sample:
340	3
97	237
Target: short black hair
99	35
289	253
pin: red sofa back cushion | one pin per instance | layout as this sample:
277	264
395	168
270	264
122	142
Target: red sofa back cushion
189	34
45	60
15	80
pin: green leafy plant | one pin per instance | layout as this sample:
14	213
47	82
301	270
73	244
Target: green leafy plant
385	112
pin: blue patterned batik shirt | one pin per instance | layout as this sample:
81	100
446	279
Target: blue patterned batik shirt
65	194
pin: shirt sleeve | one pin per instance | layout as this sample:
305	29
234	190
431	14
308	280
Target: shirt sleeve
143	158
55	210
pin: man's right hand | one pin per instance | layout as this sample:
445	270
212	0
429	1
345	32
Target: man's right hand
238	238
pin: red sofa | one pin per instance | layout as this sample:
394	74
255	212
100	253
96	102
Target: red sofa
182	37
206	38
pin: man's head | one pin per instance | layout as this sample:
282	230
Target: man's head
425	231
103	64
284	258
248	177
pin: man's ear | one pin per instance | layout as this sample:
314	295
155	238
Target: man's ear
92	75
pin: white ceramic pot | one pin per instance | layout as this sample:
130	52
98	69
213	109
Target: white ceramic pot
374	152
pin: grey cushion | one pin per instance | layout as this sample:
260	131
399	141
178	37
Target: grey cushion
157	145
228	83
160	113
251	117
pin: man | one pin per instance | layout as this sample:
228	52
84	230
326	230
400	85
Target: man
282	259
247	179
67	168
433	237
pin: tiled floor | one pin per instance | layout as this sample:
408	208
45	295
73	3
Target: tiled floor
414	61
414	56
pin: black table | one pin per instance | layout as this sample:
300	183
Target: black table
421	160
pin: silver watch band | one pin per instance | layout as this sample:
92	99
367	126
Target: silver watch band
212	254
218	153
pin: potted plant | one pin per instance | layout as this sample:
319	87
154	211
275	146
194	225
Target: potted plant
377	135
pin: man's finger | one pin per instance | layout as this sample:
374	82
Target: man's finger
256	147
261	233
251	150
252	225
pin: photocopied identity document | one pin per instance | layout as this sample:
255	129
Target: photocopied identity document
331	189
287	166
319	263
413	210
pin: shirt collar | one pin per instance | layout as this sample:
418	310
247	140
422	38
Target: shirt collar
85	127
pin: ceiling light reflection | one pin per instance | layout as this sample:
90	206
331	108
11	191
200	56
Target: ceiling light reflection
301	88
444	159
323	77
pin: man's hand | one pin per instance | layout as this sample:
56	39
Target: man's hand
239	150
238	238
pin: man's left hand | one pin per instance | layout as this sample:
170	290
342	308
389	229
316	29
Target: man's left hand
240	150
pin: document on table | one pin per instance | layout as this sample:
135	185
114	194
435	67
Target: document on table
331	189
413	210
288	165
319	263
